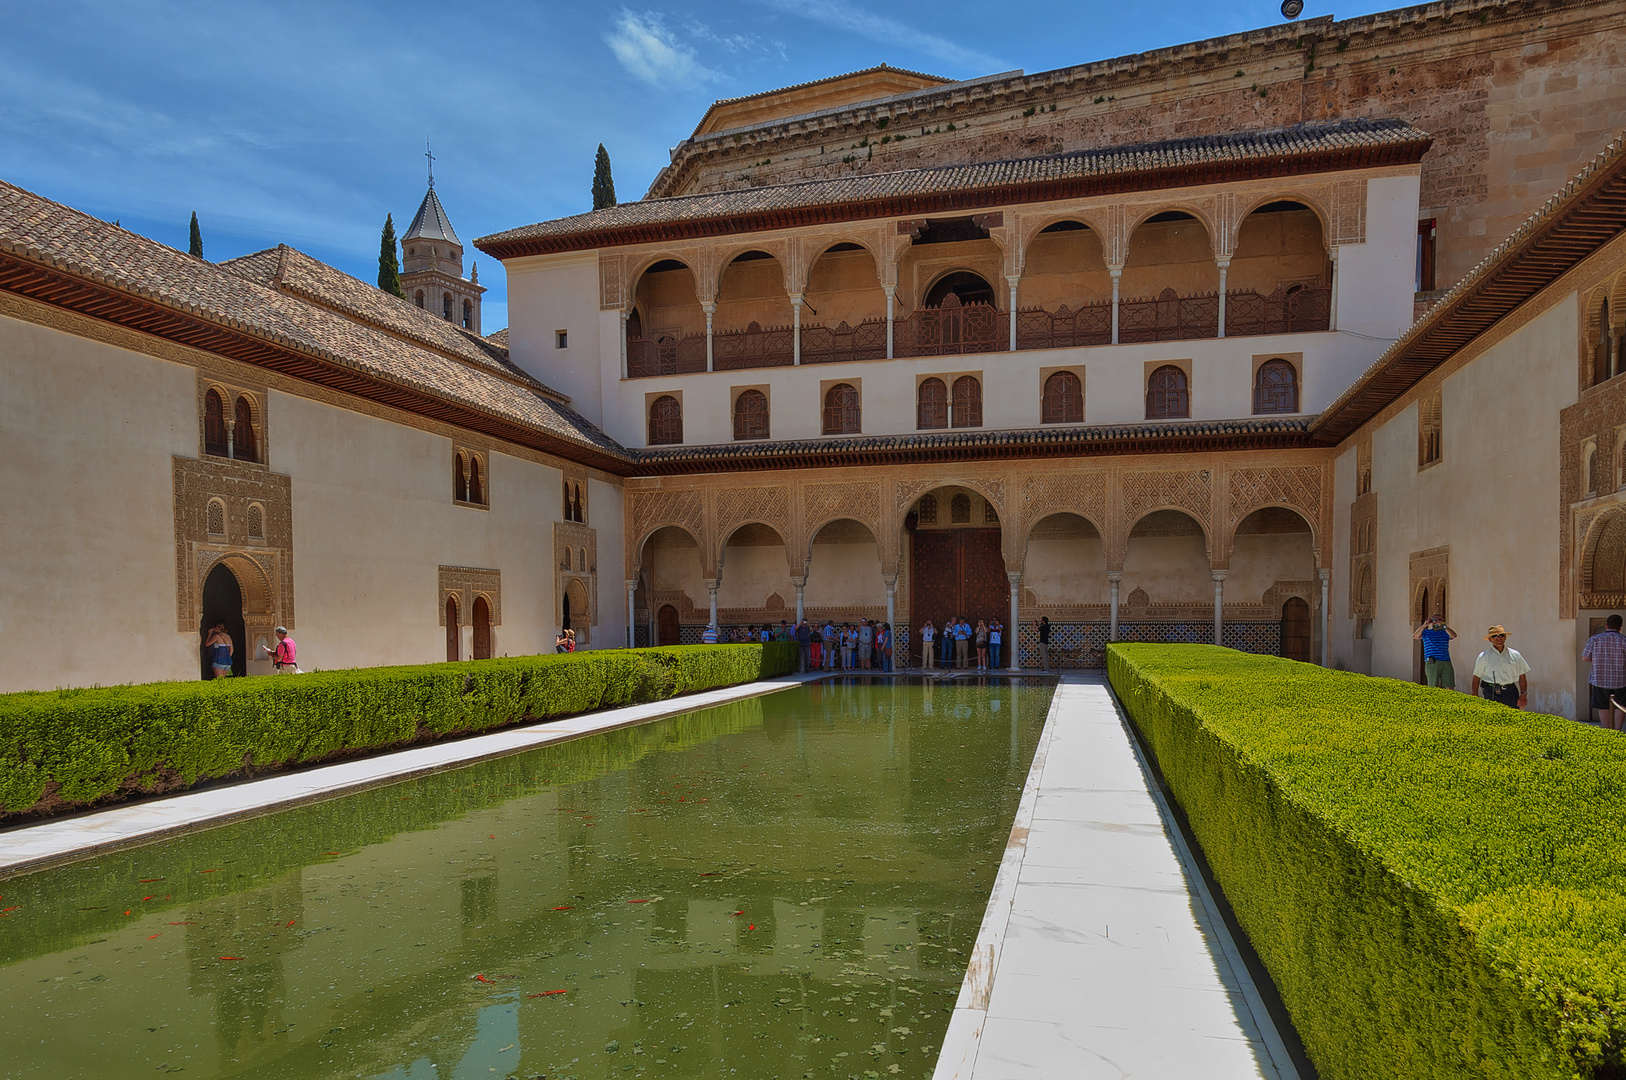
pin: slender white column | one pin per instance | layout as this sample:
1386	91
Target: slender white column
1224	265
710	310
1326	620
801	584
1332	315
1113	578
1012	279
626	314
711	588
891	582
1117	273
1219	606
632	626
231	430
1013	629
796	328
891	297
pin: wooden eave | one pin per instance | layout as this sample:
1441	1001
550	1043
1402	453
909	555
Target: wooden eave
1586	219
1336	159
70	292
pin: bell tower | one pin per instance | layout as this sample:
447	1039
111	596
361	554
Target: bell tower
432	264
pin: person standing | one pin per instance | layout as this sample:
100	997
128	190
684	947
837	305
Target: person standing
804	643
883	647
1437	638
1044	642
962	643
996	638
832	647
1500	672
866	642
947	634
928	642
981	639
285	657
218	642
708	636
849	640
1607	653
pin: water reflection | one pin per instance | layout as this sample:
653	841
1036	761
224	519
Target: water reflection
781	887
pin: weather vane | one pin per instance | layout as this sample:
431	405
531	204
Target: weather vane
429	153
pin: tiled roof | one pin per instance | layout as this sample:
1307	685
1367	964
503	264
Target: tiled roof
829	79
499	338
848	195
431	222
292	271
57	238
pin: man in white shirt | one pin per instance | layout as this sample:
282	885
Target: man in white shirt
1499	673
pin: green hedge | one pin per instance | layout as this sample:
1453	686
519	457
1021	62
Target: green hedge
89	744
1436	884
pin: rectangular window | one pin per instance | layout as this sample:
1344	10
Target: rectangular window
1429	430
1426	235
561	339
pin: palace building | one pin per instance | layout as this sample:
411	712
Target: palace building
1280	340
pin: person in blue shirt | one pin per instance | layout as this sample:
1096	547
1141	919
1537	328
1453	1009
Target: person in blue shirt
1436	638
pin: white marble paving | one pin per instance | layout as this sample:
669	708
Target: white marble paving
1101	954
53	842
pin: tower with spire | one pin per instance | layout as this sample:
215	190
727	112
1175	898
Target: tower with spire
432	264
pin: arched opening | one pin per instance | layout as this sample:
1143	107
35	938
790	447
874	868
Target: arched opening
564	611
477	491
468	315
460	478
751	415
1296	630
581	506
752	324
1062	401
214	424
418	298
958	308
569	510
1280	276
245	444
1272	558
844	574
665	421
1167	395
956	560
673	575
1170	281
967	402
842	413
1166	581
668	630
482	628
844	313
1276	388
1066	289
223	603
1065	571
671	323
965	286
453	633
579	617
446	306
755	575
931	404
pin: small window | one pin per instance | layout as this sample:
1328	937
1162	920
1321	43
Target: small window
1602	369
214	424
1429	430
476	488
967	402
1063	400
460	478
581	506
561	339
215	518
751	415
1276	388
928	509
468	315
960	509
841	410
446	306
990	516
419	297
581	560
256	522
245	447
931	406
665	421
1426	236
1167	396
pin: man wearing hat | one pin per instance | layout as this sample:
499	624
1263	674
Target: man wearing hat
1499	673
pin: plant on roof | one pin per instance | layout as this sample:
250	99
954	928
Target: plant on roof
603	182
389	267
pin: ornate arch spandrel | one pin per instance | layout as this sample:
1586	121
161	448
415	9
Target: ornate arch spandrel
652	510
1294	487
823	503
1601	575
1187	490
1083	494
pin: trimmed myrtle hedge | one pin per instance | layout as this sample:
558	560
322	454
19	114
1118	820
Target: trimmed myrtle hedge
79	746
1436	884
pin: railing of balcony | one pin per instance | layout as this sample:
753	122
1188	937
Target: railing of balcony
955	329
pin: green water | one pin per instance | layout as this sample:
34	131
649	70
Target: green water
782	887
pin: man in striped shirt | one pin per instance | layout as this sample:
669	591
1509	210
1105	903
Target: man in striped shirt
1607	652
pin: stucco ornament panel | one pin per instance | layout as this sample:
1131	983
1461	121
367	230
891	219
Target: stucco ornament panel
575	562
650	510
1183	489
1081	493
466	583
1298	487
238	485
1349	212
769	505
823	503
612	281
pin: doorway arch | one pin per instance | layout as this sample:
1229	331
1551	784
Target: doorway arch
223	602
482	629
453	651
1296	630
666	622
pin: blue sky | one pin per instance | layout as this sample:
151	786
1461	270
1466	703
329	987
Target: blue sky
304	123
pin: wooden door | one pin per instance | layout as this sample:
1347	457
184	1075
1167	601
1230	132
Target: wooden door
1296	630
958	572
482	629
666	622
452	632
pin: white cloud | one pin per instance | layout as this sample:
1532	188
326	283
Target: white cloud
840	15
651	52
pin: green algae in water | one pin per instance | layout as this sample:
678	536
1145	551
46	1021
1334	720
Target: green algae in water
787	886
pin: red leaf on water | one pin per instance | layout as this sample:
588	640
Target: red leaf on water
737	913
481	978
151	936
330	853
216	870
566	907
637	901
710	873
149	897
753	926
231	958
291	922
127	912
19	905
548	993
493	836
149	880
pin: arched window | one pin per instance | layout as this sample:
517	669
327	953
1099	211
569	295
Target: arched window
751	415
1166	395
256	521
967	287
476	489
419	297
960	509
460	479
215	518
1430	430
581	506
841	411
665	421
243	444
468	314
928	509
581	560
452	634
1601	367
967	402
1063	400
931	407
1276	388
214	424
569	505
446	306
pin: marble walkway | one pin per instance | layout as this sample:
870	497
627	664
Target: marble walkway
1101	954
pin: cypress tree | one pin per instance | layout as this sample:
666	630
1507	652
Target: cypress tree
603	183
196	250
389	267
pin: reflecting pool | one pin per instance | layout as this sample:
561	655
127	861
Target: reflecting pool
787	886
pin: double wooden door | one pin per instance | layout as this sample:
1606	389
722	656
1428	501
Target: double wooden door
1296	629
958	572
